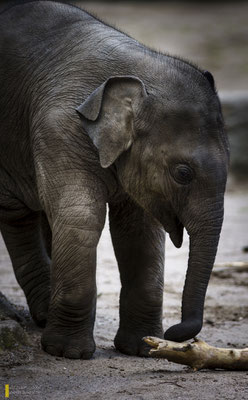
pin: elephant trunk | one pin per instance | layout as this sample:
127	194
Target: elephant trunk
204	238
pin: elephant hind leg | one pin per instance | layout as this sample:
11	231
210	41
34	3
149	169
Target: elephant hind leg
138	242
23	239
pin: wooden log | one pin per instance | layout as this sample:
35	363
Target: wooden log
199	354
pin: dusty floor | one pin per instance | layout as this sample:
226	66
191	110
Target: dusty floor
33	374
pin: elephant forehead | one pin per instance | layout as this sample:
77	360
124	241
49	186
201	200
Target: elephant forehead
180	114
190	112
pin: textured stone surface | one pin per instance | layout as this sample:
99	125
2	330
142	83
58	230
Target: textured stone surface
11	335
9	311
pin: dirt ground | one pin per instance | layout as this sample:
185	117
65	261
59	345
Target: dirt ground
188	30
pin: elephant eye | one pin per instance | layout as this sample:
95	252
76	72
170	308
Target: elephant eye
182	174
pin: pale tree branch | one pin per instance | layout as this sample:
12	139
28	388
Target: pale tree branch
199	354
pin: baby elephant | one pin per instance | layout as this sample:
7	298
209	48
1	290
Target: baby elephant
90	116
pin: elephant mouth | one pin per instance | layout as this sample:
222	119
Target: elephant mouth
167	216
176	234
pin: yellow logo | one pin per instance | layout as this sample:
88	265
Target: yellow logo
6	391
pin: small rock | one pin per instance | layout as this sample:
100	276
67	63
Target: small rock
8	310
209	322
12	335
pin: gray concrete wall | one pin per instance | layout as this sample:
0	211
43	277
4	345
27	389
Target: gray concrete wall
235	111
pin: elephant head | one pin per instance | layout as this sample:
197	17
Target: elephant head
171	154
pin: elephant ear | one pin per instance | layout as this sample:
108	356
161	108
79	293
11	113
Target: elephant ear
210	79
108	115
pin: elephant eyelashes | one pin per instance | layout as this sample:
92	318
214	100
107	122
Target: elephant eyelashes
182	174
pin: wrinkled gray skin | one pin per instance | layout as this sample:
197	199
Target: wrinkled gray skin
147	139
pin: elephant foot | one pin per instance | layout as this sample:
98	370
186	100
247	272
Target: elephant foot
69	346
131	343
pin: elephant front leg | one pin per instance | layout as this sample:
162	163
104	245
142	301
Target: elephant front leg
139	248
69	331
30	261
